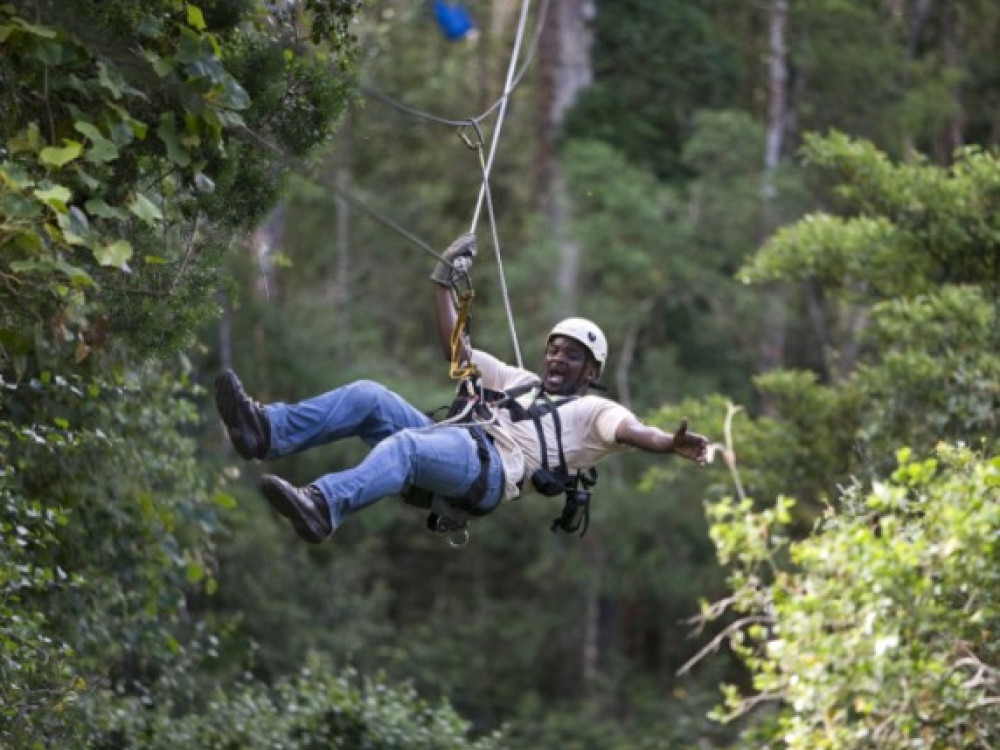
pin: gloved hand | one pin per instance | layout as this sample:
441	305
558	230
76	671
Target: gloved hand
461	253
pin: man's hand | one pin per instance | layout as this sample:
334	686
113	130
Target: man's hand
460	253
690	445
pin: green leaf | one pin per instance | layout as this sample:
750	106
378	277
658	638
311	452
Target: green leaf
161	66
28	266
77	275
195	572
55	197
111	79
167	131
16	178
116	255
54	156
43	31
150	26
75	226
195	17
102	150
16	206
48	53
230	94
89	181
145	209
29	139
27	240
97	207
224	501
127	128
48	265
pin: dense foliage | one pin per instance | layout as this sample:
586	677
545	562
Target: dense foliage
875	630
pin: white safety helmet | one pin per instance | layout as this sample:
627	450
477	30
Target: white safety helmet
587	333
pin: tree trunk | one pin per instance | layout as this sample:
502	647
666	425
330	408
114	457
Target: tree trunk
954	136
564	70
593	556
921	14
225	330
772	348
342	286
628	348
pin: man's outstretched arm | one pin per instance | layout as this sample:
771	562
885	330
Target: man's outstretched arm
689	445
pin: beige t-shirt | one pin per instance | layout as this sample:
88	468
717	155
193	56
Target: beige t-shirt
588	431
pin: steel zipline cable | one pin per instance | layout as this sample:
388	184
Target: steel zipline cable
514	77
420	114
513	80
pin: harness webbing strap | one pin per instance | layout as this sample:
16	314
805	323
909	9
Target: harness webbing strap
536	417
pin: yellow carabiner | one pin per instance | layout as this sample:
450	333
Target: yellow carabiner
460	370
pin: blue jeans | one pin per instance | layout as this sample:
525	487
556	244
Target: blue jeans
408	449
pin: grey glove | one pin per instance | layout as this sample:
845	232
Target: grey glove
460	254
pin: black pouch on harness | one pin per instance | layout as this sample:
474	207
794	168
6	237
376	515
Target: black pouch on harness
549	483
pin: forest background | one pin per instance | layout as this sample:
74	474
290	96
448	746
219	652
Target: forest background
785	216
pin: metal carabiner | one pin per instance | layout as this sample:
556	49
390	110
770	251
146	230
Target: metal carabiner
458	539
476	145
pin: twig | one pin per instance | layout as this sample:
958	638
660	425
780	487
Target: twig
730	452
188	252
715	609
713	645
751	703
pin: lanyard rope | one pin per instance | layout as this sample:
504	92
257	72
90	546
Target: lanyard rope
504	99
487	166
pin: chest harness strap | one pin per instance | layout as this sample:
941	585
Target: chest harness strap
548	481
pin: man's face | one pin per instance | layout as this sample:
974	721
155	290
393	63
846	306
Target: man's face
568	366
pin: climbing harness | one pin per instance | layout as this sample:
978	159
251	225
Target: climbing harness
475	406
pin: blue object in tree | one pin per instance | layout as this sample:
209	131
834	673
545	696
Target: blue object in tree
453	19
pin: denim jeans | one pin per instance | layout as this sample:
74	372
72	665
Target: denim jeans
408	449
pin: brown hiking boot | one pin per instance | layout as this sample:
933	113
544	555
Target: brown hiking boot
305	507
246	421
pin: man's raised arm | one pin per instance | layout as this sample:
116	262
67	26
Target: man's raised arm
445	315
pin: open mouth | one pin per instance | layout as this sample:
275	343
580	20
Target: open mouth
555	377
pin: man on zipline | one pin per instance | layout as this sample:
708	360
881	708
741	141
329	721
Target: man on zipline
516	434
